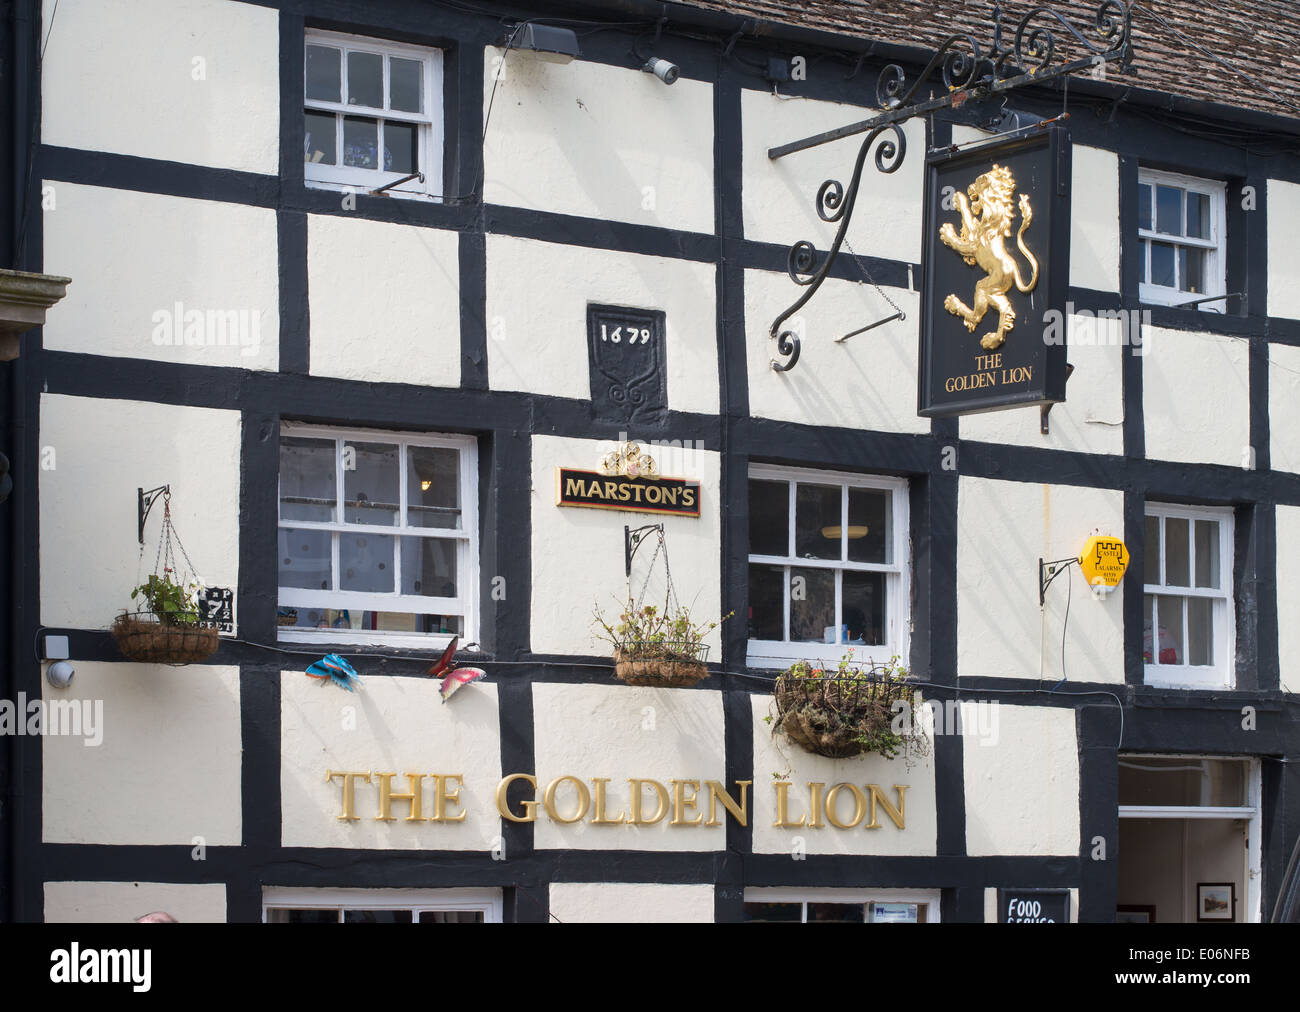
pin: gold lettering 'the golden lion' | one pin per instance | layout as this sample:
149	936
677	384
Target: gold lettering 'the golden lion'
985	223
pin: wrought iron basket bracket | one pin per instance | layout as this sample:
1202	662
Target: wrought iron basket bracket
967	74
632	539
144	503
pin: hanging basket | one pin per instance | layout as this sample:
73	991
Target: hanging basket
662	665
142	637
840	717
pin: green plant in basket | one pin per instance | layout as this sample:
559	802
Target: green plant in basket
171	603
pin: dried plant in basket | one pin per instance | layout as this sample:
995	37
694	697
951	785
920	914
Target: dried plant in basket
660	647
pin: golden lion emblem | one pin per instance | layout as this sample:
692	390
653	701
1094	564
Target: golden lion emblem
985	223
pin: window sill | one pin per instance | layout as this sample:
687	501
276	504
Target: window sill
364	190
1166	676
343	641
779	656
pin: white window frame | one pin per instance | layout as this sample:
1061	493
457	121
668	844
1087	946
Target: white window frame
430	122
1220	674
418	901
781	654
1216	245
781	894
1248	813
465	604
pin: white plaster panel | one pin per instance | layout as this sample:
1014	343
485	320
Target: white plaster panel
1284	407
389	725
123	902
1094	219
167	766
102	451
621	732
1288	598
867	382
604	142
630	903
1283	209
537	297
1003	529
385	301
1022	794
1196	397
780	196
134	258
1091	419
578	553
778	756
194	81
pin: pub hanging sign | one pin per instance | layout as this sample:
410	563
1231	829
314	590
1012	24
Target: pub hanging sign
996	264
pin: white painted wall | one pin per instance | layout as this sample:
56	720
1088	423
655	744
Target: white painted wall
1284	407
123	902
537	298
780	196
391	725
598	141
102	451
134	256
1003	528
1091	420
578	553
167	770
779	756
1288	598
1094	219
385	301
1022	795
867	382
194	81
1283	209
622	731
1196	396
630	903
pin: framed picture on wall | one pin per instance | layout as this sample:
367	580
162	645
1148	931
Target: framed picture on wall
1130	913
1216	901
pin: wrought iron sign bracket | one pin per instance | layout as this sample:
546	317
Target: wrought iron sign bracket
967	74
1049	571
144	503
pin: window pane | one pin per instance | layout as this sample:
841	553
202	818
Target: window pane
1162	264
323	78
376	917
366	562
370	487
1207	554
284	915
863	601
1176	571
401	153
1169	210
429	567
366	79
1151	550
772	912
1191	270
1144	205
432	487
1198	215
307	479
842	913
812	606
1200	630
869	534
361	142
404	85
1170	613
305	559
766	602
818	515
320	141
451	916
769	518
1182	780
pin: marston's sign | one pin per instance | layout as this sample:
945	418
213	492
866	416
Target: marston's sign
996	257
629	481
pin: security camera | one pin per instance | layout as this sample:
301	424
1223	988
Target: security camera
60	674
662	69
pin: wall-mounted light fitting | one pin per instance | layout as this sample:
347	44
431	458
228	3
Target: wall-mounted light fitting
553	45
662	69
